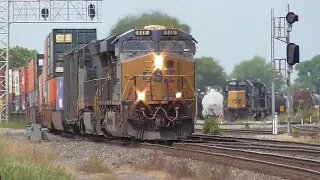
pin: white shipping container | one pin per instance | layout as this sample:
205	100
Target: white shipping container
33	99
16	82
10	81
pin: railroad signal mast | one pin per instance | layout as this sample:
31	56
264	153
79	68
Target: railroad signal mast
37	11
280	30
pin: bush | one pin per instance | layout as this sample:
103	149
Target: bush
211	126
15	124
295	134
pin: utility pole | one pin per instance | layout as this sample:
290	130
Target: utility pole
280	30
37	11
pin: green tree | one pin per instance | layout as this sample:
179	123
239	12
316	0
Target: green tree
308	73
209	73
154	18
20	56
258	69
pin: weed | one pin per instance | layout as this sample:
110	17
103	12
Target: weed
94	165
211	126
19	160
15	124
177	169
295	134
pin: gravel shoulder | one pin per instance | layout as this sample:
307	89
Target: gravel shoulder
91	160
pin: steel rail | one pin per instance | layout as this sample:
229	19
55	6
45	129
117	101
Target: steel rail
276	167
209	138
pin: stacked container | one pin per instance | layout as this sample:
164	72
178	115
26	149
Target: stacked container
24	86
57	43
10	80
16	90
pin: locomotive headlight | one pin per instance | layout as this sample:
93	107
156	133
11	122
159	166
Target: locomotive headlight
158	62
178	95
141	96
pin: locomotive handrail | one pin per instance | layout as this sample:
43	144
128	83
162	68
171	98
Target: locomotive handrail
130	77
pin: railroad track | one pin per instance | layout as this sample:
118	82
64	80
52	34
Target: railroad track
246	131
307	130
277	165
215	138
281	147
209	151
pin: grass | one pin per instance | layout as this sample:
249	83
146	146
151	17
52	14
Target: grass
19	160
15	124
211	126
178	170
282	118
94	165
181	168
13	169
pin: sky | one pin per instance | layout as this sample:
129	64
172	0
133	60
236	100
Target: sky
230	31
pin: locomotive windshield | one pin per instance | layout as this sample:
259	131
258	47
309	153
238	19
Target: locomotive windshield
233	86
138	45
174	45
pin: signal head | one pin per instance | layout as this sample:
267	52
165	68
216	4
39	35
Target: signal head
292	18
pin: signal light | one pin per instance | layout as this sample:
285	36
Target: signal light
293	54
45	13
91	11
292	18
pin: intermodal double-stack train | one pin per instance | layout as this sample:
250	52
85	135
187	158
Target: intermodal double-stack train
139	84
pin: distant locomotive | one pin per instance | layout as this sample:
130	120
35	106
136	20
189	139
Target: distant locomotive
139	84
244	99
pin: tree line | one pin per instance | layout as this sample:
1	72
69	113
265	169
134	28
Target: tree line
209	72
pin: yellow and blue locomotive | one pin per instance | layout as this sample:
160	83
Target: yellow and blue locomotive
244	99
139	84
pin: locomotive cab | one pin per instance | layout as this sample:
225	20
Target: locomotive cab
157	82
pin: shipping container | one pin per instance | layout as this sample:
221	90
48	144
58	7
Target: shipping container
45	61
59	101
31	75
39	61
17	103
61	40
40	88
32	99
16	82
46	92
10	80
24	81
52	92
10	104
24	104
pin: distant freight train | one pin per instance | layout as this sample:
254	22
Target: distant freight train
244	99
139	84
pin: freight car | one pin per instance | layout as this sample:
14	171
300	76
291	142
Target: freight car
305	100
280	103
139	84
244	99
